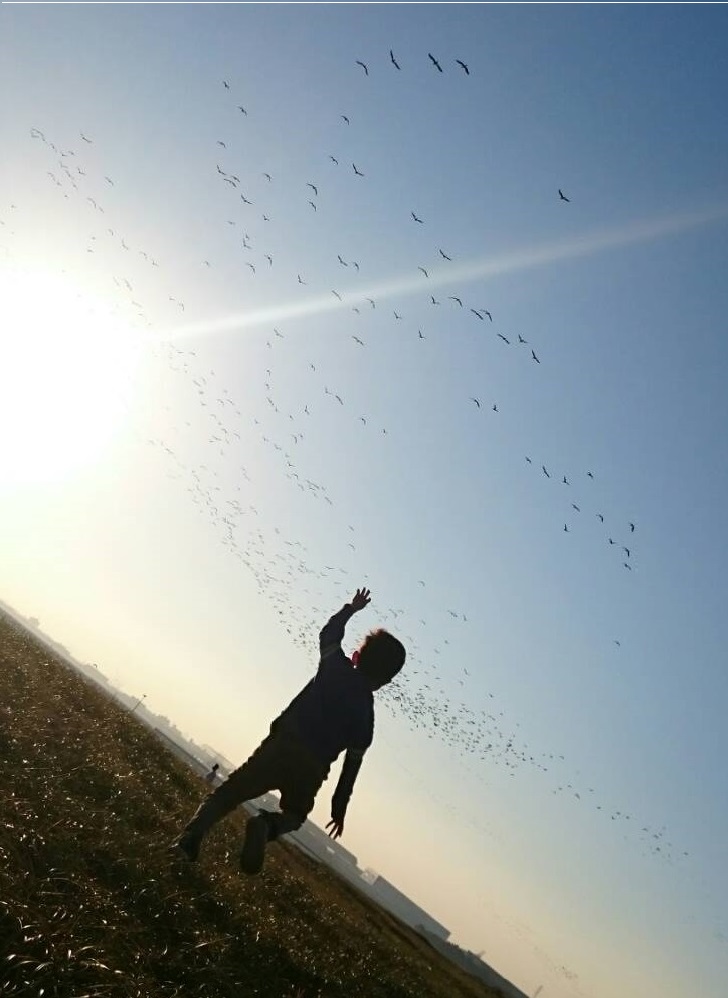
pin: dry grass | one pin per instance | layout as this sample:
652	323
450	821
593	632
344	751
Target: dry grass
91	905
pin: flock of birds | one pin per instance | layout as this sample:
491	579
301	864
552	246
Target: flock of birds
291	576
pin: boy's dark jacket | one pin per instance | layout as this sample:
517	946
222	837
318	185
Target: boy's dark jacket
333	712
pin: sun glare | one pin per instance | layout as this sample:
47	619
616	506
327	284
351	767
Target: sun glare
66	364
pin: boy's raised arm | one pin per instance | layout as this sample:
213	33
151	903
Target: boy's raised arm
332	633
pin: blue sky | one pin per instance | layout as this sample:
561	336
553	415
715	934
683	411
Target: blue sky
150	511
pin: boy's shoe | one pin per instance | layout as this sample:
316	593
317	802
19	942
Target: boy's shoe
188	845
253	852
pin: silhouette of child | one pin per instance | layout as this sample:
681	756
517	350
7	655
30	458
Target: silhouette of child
211	776
332	713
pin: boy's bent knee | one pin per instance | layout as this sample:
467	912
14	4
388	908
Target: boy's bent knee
293	820
282	822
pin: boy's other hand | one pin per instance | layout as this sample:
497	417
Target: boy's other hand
336	828
360	599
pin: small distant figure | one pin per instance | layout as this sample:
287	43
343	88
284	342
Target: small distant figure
333	713
212	775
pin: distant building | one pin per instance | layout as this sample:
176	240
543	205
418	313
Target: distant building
472	964
389	897
315	840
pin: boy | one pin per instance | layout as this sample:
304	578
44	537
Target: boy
333	712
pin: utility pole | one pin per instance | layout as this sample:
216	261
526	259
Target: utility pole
142	697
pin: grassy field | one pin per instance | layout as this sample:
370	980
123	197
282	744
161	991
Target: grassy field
91	904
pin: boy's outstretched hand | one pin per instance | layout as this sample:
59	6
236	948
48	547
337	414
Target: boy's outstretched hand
360	600
336	828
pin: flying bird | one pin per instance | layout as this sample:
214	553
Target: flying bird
533	355
476	401
479	314
574	506
631	527
444	255
313	187
360	342
434	61
486	312
242	109
589	474
455	298
397	315
434	300
601	517
226	84
505	339
521	339
419	333
462	64
495	407
626	551
345	119
423	271
313	205
393	60
336	293
221	143
627	566
357	172
416	218
566	481
301	280
543	469
528	459
363	66
342	261
333	159
566	529
563	196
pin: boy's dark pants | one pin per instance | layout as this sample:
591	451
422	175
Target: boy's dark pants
279	763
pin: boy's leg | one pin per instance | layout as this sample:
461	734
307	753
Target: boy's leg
259	774
302	776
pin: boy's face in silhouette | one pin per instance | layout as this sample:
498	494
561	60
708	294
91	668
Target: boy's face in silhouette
355	662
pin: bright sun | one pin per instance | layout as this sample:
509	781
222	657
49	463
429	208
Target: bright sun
66	368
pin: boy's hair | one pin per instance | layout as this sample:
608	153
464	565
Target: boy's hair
381	656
